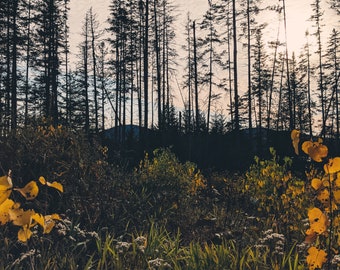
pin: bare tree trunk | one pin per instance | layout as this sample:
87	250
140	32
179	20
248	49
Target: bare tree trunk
28	48
317	18
229	69
309	93
139	69
158	69
67	75
189	77
86	84
14	68
272	79
117	83
102	81
210	76
279	109
146	66
249	70
94	67
8	71
236	97
196	79
291	117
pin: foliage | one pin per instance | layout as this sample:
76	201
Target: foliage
165	191
324	226
11	211
79	163
277	194
163	215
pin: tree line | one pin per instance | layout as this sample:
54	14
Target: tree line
127	73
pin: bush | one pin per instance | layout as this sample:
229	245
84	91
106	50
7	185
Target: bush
164	191
74	160
277	195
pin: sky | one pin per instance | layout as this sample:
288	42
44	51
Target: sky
78	10
298	12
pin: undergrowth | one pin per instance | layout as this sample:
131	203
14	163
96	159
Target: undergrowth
166	214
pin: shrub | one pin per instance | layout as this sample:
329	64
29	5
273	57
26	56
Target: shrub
164	191
78	162
324	218
278	196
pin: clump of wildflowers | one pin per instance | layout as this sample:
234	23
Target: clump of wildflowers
122	247
272	242
141	243
158	263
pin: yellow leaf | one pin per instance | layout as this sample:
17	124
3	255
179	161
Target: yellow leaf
4	195
306	145
30	191
333	165
316	183
6	181
5	188
42	180
328	207
323	196
50	222
4	209
24	234
39	218
318	220
316	150
337	182
56	185
49	226
20	217
295	136
316	258
336	195
55	217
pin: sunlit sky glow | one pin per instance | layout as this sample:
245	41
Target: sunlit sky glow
298	14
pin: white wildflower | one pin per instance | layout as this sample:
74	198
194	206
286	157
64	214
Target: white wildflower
141	243
122	247
158	262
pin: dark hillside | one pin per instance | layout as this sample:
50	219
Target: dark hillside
227	151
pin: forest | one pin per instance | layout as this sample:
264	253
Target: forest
114	157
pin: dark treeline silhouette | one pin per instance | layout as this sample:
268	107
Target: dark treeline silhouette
126	76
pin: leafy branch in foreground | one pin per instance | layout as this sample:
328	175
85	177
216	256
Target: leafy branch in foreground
11	211
324	220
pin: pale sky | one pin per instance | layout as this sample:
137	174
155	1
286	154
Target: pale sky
298	12
78	10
